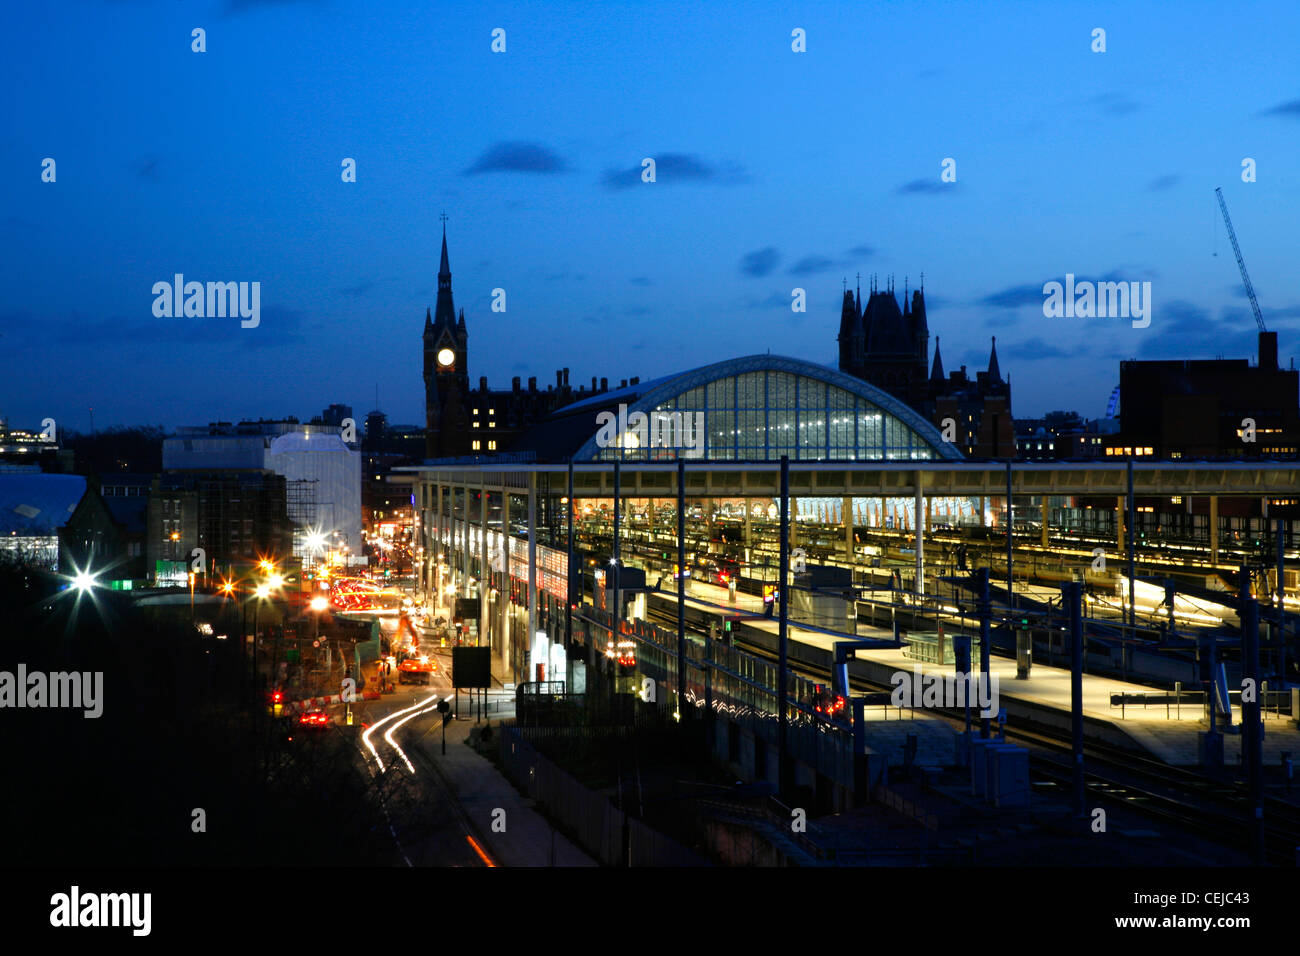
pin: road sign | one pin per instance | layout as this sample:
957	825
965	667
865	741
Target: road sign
471	667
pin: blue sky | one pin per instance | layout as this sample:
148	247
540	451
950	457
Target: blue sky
776	170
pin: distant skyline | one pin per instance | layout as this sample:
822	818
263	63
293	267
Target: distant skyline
774	170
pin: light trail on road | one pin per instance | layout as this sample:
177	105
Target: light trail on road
388	734
365	737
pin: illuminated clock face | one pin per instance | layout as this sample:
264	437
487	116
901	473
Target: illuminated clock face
446	357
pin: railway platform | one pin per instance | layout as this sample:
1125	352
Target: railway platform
1169	731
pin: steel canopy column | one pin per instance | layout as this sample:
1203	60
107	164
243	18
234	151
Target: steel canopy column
1132	541
846	513
436	571
783	632
919	509
1072	593
484	571
1251	743
1214	530
1011	591
681	587
1280	598
614	558
465	546
986	614
532	568
507	583
573	595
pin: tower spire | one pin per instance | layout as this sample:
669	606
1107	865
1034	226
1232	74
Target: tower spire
995	374
444	270
936	371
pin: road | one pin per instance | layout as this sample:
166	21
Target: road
425	821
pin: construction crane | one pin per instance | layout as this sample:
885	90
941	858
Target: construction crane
1241	263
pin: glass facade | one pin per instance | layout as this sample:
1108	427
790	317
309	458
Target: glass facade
763	415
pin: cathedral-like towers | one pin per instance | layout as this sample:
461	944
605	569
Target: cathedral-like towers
886	346
446	372
890	348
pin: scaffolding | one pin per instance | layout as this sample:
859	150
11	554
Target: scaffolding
300	504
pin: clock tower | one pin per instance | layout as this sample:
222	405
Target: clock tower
446	372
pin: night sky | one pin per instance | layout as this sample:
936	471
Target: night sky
775	170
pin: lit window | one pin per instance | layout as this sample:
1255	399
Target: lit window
475	446
492	446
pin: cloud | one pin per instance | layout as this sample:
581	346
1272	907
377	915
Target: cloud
72	331
1181	330
1290	109
780	300
811	265
1018	296
1036	348
1115	104
517	157
930	187
641	281
1014	297
861	252
1160	183
674	168
760	262
238	6
358	290
1282	314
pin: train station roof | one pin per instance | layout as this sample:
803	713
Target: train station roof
755	408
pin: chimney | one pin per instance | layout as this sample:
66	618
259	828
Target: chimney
637	380
623	384
514	384
604	384
559	378
482	383
593	383
566	378
532	383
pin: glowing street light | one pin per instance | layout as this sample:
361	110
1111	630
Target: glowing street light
83	581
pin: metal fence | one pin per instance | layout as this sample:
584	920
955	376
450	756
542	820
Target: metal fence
605	832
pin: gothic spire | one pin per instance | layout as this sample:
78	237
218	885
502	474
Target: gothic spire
444	312
995	375
936	371
444	270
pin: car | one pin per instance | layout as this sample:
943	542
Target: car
313	720
416	670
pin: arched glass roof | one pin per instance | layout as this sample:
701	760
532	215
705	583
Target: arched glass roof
757	408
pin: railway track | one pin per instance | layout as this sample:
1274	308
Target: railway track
1210	807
